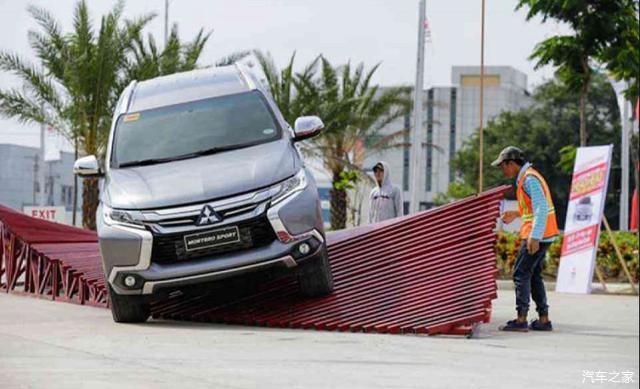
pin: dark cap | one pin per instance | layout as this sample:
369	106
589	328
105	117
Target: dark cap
378	166
509	153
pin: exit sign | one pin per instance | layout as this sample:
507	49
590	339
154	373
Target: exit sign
53	214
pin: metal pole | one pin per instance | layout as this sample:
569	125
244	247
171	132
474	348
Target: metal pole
481	146
35	177
166	22
42	164
624	163
416	131
625	123
75	182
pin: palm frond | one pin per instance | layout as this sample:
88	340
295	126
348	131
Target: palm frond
16	105
34	80
269	69
232	58
193	50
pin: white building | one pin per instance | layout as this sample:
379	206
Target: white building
19	180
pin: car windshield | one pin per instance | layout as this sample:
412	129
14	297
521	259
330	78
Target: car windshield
192	129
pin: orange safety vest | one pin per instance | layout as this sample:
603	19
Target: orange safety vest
526	209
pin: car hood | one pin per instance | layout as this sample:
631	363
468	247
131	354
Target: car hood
200	179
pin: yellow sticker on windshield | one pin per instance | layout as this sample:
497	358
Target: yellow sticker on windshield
132	117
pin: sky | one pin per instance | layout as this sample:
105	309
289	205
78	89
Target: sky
368	31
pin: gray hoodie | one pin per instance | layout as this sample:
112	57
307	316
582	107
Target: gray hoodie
385	201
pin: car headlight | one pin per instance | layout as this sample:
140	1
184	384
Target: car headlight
290	186
122	217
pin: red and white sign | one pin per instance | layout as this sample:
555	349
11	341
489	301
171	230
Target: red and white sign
52	214
579	240
584	215
589	181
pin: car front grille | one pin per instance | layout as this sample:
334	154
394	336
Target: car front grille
169	248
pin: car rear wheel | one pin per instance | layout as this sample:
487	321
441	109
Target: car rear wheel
128	309
314	276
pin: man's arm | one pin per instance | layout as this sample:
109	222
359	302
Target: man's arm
533	187
509	216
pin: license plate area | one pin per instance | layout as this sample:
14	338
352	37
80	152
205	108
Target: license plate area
213	238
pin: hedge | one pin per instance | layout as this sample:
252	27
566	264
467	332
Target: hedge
508	245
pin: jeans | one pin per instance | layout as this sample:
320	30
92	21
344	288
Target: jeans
527	276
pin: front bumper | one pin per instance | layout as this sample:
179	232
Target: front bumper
214	268
127	251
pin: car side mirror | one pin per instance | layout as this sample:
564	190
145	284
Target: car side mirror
306	127
87	167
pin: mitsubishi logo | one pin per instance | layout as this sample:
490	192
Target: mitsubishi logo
208	216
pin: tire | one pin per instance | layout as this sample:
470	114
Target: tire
315	276
128	309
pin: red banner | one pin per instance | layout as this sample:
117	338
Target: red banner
580	240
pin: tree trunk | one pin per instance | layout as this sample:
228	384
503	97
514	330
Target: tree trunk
338	204
90	198
583	102
583	124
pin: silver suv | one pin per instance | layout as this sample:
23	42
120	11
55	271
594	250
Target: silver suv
202	181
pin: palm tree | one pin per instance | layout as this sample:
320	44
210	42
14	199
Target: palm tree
353	111
81	74
148	61
77	82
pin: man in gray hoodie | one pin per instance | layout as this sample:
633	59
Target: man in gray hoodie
385	201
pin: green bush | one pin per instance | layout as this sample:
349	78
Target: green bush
508	244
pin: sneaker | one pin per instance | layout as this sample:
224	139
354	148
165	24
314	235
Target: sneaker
514	325
537	325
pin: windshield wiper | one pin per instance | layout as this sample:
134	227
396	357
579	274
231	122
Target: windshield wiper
214	150
153	161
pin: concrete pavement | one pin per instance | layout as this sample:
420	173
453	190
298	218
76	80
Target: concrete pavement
58	345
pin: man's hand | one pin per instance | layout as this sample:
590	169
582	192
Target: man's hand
533	245
510	216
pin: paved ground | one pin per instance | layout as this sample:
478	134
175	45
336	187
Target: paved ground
56	345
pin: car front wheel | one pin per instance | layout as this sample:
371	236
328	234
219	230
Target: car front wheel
128	309
314	275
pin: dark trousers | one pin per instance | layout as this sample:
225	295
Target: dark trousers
527	276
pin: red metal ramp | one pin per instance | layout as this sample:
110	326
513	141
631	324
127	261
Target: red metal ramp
432	272
50	260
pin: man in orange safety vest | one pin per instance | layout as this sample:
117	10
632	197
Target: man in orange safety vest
538	230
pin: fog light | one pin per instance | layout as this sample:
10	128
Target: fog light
304	249
130	281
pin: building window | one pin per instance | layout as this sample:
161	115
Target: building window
425	205
452	131
405	151
429	161
405	207
49	190
66	195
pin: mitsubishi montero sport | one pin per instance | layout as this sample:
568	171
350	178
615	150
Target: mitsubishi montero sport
202	181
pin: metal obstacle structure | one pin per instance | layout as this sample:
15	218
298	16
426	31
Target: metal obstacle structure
49	260
429	273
